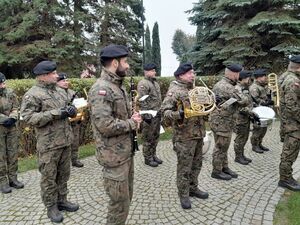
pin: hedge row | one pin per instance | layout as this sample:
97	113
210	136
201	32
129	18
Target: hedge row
27	136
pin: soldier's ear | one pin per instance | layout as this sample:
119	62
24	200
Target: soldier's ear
115	63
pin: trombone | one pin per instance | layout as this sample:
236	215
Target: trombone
273	86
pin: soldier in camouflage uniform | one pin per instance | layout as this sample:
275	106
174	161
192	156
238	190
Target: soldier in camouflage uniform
63	83
44	106
9	138
150	125
243	118
290	112
229	100
188	134
113	122
261	96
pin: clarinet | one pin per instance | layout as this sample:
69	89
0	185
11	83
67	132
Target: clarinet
135	146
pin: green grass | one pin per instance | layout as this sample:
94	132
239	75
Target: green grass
287	210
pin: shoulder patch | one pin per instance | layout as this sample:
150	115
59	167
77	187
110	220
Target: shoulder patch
102	92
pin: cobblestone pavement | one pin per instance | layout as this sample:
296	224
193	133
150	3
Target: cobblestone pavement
250	199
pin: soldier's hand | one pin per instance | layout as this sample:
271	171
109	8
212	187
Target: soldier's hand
64	114
271	102
9	122
147	118
137	117
218	99
72	111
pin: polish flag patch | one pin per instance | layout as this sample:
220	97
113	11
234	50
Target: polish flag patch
102	92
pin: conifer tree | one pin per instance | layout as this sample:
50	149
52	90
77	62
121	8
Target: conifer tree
156	48
148	48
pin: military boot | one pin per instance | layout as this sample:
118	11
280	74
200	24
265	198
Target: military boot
264	148
241	160
16	184
247	159
289	184
151	162
67	206
156	159
199	194
54	214
5	189
230	172
185	202
220	175
257	149
77	163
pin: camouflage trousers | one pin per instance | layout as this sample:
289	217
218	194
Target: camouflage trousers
54	166
242	135
75	144
220	158
150	137
189	163
9	143
290	151
118	185
258	134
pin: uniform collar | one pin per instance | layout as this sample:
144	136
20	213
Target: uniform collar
114	78
2	91
42	84
184	84
150	78
229	81
259	83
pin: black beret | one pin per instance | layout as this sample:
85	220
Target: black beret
149	66
44	67
295	58
260	73
245	73
114	51
62	76
183	68
234	67
2	77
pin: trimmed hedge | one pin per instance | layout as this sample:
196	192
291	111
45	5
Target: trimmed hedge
27	136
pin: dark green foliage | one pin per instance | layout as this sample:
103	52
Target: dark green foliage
254	33
182	45
156	48
148	48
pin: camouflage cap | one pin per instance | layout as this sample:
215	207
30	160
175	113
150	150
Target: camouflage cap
149	66
44	67
244	74
2	78
260	73
183	68
234	67
114	51
295	58
62	76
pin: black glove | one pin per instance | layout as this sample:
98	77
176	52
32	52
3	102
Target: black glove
72	111
147	118
9	122
271	102
181	113
218	99
64	113
256	119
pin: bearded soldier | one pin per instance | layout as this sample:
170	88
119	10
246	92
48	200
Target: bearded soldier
221	120
290	115
9	138
149	88
113	123
44	106
188	134
261	97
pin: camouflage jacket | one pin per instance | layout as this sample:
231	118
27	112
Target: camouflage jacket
183	129
259	93
41	108
222	119
290	104
242	117
8	105
149	86
110	118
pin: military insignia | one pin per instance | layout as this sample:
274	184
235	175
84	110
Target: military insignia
102	92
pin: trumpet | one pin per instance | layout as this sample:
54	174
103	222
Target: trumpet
81	105
273	86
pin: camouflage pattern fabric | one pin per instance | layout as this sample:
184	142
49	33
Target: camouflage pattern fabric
112	126
9	136
188	134
150	126
290	111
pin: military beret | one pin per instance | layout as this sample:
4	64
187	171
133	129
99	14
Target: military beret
114	51
245	73
44	67
295	58
2	77
183	68
260	73
62	76
234	67
149	66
